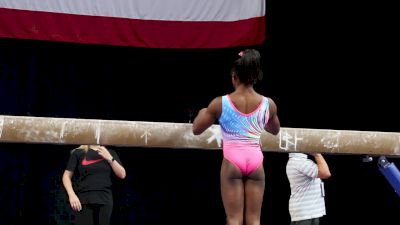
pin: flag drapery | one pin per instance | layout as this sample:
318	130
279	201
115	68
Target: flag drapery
139	23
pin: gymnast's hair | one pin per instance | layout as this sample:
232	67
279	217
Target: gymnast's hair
248	67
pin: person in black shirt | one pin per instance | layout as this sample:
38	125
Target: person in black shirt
90	194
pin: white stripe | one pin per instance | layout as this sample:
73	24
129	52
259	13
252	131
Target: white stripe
309	211
310	200
169	10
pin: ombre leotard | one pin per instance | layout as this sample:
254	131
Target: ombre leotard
241	134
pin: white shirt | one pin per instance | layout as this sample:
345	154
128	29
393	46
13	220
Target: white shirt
307	194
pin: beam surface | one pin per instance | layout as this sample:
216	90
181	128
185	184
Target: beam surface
20	129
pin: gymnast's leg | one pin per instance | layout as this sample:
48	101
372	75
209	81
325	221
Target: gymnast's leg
232	190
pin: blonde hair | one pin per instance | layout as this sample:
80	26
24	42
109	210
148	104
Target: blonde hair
84	147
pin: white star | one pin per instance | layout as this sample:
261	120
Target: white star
216	134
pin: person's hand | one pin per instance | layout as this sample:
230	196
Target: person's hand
75	203
103	152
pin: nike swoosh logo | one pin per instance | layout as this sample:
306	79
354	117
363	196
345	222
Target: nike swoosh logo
86	162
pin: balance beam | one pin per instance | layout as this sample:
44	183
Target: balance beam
21	129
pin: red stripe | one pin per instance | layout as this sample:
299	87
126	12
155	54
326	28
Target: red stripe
23	24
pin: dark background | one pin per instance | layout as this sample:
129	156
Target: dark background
327	65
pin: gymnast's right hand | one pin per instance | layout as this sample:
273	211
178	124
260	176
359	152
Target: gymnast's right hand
75	203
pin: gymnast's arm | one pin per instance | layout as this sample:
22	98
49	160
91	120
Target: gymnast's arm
207	116
273	125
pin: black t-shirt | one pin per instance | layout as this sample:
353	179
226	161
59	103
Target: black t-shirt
92	176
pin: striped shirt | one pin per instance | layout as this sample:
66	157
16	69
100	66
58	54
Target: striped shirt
307	194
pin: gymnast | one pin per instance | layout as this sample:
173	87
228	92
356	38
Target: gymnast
243	115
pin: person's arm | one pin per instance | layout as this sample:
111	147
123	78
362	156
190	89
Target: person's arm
273	125
207	116
73	199
118	169
323	168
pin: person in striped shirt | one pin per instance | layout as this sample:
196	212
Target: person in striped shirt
307	198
